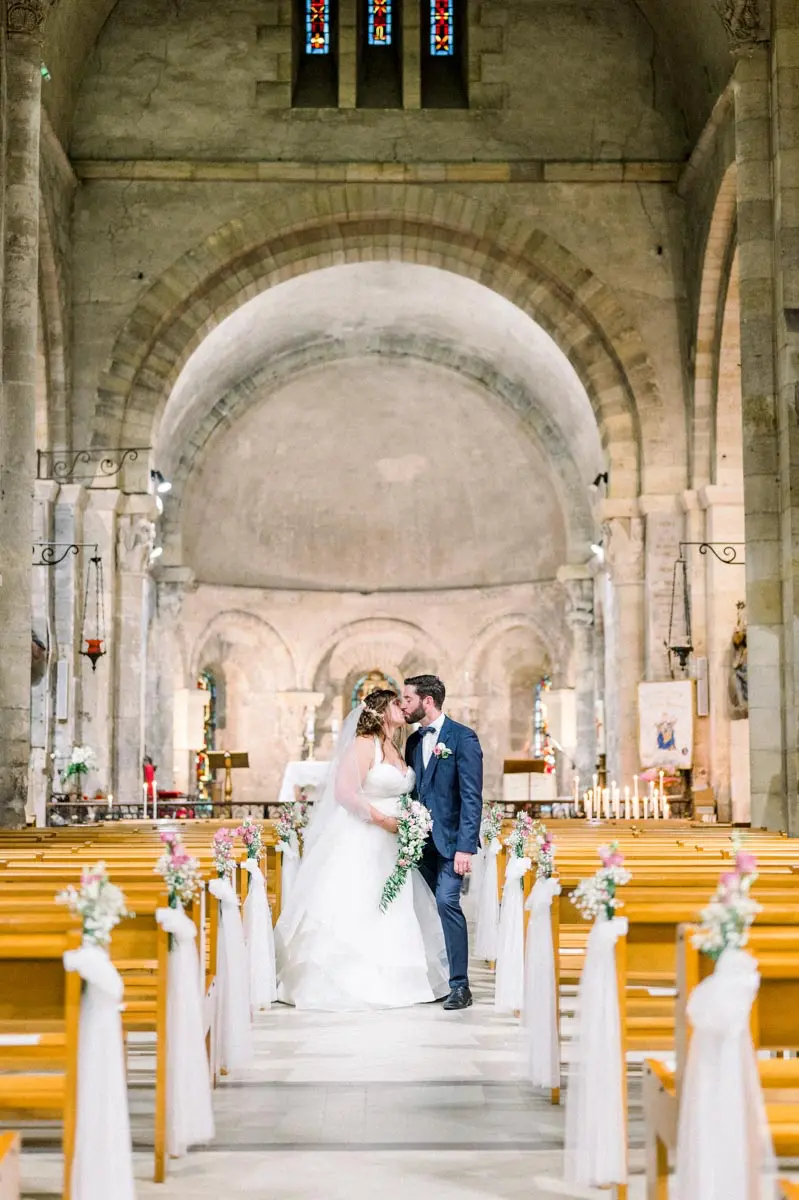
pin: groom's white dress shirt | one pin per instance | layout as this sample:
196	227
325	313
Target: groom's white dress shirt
430	740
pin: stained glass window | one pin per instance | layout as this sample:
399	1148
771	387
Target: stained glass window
442	28
203	776
317	26
379	31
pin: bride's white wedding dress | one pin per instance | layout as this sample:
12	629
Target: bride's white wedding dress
336	950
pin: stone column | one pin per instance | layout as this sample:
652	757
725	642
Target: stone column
772	725
69	580
663	534
579	585
135	539
98	686
42	708
18	400
167	670
624	638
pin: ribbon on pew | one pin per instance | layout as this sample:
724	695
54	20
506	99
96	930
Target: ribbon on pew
259	939
540	1004
233	1041
190	1117
102	1168
291	865
509	990
485	941
596	1130
724	1146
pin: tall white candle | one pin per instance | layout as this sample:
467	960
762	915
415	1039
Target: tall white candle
144	790
606	803
635	786
576	791
588	800
627	810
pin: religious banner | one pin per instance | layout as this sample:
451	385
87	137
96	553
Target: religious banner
666	724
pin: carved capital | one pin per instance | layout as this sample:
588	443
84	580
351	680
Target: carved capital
623	539
135	540
746	21
170	600
580	593
24	18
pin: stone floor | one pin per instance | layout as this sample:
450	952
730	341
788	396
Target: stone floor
417	1104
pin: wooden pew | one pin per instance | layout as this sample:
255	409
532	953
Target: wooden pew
9	1166
775	1027
39	999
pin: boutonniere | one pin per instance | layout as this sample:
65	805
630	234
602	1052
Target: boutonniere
441	750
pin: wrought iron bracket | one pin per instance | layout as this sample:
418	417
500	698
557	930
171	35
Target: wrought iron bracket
52	553
109	462
725	552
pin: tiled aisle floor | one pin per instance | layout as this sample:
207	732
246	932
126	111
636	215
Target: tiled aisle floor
417	1104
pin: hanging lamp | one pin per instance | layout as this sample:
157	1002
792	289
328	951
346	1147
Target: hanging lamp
95	639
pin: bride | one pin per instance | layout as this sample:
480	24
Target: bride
335	949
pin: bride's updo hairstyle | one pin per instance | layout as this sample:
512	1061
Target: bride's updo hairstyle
371	722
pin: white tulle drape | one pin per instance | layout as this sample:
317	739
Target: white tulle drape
102	1168
232	1039
540	1004
259	939
487	931
596	1141
471	897
190	1118
509	990
291	865
724	1147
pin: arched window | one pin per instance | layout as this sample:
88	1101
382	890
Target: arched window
203	777
542	741
316	56
379	54
444	62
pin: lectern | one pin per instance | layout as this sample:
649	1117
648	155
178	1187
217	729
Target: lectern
217	759
520	788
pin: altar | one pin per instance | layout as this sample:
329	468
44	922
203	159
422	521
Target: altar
306	774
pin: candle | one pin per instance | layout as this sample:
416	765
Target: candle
666	809
655	805
110	799
588	801
635	786
636	807
334	727
596	784
606	803
144	788
627	809
616	802
576	791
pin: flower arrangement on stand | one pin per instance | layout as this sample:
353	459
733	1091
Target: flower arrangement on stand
414	824
223	853
180	872
98	902
81	761
543	855
522	831
252	835
726	920
597	896
491	827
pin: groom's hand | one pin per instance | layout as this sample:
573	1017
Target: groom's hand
463	863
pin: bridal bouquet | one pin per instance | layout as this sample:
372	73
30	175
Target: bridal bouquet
543	851
726	920
491	827
179	870
98	902
516	840
251	834
223	853
597	895
414	825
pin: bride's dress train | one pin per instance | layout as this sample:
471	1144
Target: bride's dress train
335	949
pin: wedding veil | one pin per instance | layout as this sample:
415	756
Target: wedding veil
342	786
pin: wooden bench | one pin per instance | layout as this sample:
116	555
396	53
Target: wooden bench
40	1001
9	1166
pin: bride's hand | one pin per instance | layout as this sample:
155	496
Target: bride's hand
390	824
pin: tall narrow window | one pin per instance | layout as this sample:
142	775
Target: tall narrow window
203	776
316	54
379	54
444	61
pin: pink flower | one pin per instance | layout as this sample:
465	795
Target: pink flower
730	880
745	862
169	837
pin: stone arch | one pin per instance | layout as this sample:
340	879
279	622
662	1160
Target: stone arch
363	222
550	633
384	642
570	483
247	629
716	270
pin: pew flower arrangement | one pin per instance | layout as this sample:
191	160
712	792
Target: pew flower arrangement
291	818
598	895
725	922
98	902
491	827
251	834
223	853
543	851
519	836
179	870
414	823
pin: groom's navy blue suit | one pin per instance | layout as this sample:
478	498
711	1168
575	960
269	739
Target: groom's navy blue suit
451	786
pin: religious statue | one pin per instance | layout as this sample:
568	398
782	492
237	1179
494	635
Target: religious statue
373	681
739	683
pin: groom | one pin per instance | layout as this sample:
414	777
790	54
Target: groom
448	763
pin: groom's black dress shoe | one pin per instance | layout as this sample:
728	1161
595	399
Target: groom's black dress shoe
458	998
